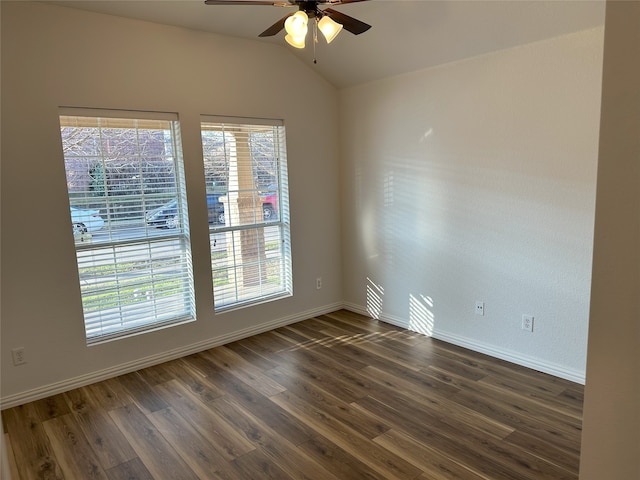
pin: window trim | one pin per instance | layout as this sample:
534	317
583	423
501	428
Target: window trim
212	122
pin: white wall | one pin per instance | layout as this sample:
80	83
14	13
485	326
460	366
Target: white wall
54	56
611	427
476	181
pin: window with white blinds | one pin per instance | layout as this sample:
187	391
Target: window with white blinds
245	168
129	220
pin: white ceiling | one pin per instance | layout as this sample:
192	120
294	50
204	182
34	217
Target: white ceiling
405	35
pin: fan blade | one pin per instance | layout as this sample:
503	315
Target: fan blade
248	2
349	23
275	28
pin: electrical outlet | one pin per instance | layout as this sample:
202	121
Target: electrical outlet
527	323
18	356
318	283
480	308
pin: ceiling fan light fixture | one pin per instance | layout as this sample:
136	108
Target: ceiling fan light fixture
329	21
329	28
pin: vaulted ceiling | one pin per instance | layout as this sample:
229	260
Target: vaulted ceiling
405	35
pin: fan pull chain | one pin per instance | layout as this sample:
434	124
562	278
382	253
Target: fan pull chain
315	39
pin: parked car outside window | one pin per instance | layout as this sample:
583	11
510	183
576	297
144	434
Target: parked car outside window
166	216
269	203
85	221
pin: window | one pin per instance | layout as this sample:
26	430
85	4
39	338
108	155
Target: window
246	177
129	219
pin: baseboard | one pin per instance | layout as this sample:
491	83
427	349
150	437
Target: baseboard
491	350
514	357
83	380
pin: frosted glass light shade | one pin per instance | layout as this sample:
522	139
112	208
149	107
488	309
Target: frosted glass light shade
296	27
296	24
329	28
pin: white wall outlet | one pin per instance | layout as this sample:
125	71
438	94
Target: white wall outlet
527	323
480	308
318	283
18	356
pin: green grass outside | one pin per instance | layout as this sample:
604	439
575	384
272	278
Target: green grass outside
129	291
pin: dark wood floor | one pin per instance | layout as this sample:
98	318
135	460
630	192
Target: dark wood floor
339	396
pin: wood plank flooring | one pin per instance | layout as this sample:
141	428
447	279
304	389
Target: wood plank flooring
339	396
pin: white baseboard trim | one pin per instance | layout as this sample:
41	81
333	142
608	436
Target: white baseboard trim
491	350
514	357
93	377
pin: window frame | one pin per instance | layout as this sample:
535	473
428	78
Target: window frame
224	300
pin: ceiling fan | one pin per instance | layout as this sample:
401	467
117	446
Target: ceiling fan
329	21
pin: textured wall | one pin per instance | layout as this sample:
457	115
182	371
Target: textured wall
476	181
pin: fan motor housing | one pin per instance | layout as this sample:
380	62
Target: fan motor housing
308	7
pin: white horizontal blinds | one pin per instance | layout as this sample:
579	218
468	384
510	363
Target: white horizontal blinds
245	164
134	274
